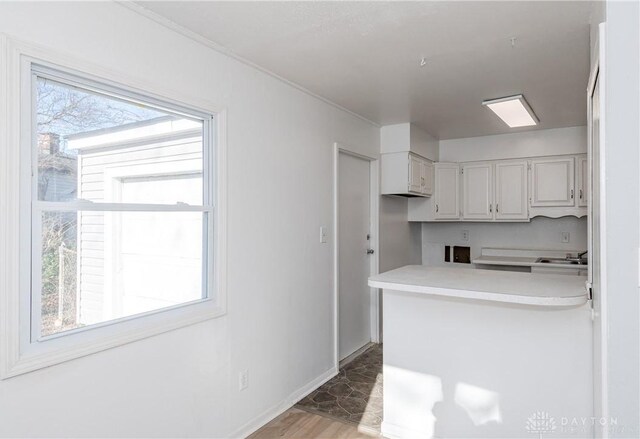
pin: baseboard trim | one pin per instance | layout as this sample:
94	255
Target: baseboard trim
392	431
349	358
275	411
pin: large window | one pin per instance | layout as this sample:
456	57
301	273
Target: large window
121	205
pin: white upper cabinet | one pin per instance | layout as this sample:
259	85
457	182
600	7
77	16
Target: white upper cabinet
427	177
511	190
477	191
405	173
583	181
446	204
552	182
505	190
416	179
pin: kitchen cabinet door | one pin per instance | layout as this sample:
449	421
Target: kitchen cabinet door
511	190
403	173
427	177
552	182
477	191
415	174
583	181
447	201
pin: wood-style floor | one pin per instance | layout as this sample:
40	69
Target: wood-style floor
296	423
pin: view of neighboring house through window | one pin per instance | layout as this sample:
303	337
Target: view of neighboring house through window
120	204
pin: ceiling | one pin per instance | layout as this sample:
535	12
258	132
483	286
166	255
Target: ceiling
365	56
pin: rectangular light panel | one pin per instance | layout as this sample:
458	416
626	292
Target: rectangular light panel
513	110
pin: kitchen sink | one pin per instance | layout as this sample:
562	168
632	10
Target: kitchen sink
560	261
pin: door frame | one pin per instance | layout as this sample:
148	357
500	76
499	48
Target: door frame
374	190
598	73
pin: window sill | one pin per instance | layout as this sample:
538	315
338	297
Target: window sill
24	357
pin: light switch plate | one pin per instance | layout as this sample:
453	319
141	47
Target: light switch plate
565	236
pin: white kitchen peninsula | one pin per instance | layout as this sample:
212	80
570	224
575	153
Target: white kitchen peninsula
479	353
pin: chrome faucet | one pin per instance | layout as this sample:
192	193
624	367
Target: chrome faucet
578	258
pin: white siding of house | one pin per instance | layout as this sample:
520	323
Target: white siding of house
95	167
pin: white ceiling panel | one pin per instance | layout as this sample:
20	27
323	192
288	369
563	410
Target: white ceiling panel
365	56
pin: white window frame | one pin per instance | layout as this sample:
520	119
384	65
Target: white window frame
19	351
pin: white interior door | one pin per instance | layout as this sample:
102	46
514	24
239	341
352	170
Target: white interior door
354	296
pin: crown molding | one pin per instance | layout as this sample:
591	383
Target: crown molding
169	24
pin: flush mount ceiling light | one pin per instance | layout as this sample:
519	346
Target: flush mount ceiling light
513	110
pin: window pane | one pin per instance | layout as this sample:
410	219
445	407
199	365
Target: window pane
101	266
89	142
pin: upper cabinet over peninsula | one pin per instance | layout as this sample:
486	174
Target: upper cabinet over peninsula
406	164
406	174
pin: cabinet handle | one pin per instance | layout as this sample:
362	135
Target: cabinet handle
436	208
572	194
581	194
490	207
497	206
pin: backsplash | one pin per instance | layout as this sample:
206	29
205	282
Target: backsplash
541	233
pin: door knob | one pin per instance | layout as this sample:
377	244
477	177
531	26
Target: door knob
370	251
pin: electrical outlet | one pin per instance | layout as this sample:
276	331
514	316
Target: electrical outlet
465	235
565	236
323	235
243	379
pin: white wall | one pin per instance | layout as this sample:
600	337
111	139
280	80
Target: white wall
540	234
598	15
557	141
622	168
424	143
184	383
408	137
399	239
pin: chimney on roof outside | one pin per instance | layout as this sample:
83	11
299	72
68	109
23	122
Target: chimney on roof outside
48	143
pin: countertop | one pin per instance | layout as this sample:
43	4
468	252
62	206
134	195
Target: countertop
489	285
519	261
526	258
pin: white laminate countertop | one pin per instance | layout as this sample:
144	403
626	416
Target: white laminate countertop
526	258
489	285
518	261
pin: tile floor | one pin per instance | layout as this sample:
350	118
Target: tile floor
354	395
